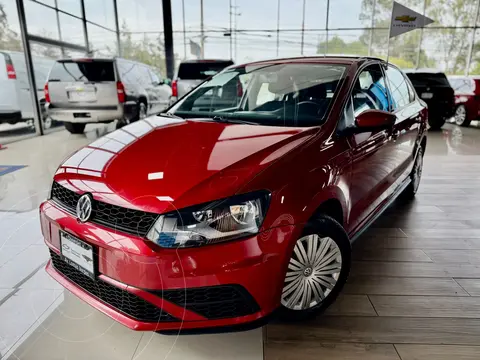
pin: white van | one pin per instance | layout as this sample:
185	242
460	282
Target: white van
15	99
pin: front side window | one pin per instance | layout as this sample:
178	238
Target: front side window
369	93
274	94
398	88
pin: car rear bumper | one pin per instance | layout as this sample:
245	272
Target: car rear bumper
85	115
227	284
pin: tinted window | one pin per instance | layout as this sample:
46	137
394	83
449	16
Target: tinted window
96	71
201	70
428	79
398	88
277	94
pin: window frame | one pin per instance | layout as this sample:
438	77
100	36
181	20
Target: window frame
349	99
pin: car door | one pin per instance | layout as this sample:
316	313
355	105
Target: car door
371	152
407	108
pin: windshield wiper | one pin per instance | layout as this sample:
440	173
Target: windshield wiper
170	115
232	121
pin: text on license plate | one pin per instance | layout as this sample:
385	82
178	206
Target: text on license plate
426	95
81	96
77	253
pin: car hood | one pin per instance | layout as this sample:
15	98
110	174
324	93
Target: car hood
160	164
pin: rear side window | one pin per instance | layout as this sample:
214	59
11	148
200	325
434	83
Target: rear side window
428	79
201	70
398	88
462	85
72	71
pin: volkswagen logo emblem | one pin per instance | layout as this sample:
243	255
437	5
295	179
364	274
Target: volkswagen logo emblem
84	207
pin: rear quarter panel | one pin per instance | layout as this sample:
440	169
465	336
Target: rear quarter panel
8	90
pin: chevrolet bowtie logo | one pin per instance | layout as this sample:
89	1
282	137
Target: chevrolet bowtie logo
405	18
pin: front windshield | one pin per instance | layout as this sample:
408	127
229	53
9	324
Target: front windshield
278	94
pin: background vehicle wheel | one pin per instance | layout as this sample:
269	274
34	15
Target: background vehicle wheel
47	123
436	123
415	176
317	270
75	128
141	111
461	116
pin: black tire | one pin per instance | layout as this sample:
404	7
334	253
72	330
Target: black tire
141	112
461	116
436	122
75	128
415	177
323	226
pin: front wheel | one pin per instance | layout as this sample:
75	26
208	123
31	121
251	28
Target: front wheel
461	116
317	270
74	128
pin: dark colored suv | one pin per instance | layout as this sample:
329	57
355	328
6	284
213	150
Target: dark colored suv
433	88
217	216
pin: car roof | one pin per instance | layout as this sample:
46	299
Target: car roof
199	61
327	59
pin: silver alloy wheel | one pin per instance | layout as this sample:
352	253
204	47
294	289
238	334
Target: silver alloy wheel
417	172
460	115
142	111
313	271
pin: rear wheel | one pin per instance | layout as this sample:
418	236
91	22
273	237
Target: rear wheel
461	116
317	270
436	122
415	176
74	128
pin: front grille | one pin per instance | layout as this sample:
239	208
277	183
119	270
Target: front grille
213	302
131	221
124	301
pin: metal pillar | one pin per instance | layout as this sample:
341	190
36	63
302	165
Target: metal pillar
84	22
303	27
168	37
326	28
470	49
417	62
184	34
30	70
278	26
117	27
202	33
370	40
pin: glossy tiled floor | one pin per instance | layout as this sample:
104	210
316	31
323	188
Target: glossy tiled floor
416	287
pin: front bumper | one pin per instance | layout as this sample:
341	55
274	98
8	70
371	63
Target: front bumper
129	263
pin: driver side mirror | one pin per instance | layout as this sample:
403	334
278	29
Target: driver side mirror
374	120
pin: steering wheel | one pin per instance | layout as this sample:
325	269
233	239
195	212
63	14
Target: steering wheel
309	106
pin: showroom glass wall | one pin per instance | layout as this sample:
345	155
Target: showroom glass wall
244	30
55	29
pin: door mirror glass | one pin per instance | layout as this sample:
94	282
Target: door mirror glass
374	120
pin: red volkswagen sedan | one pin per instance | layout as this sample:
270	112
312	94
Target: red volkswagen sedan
242	199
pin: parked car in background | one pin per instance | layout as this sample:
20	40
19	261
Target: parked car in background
15	97
467	98
90	90
432	86
225	214
190	73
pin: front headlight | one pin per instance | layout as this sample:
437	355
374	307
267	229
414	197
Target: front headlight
211	223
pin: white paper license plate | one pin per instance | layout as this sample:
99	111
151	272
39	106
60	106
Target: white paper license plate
77	253
80	96
426	95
